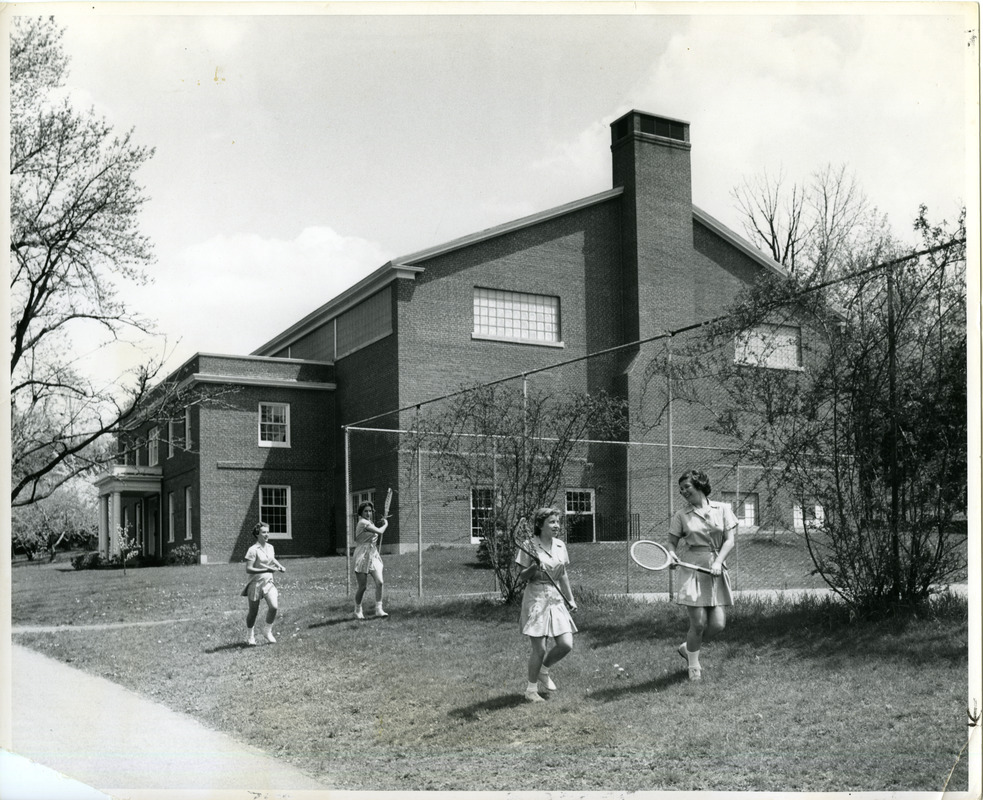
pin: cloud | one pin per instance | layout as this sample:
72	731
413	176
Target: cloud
229	294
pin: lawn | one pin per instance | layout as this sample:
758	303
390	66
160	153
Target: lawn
795	696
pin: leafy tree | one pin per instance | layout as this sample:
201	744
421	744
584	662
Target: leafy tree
873	431
67	519
521	442
74	207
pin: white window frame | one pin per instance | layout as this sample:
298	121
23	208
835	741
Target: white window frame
286	423
489	510
171	425
770	347
524	310
747	514
289	510
153	447
799	521
170	517
188	509
578	514
187	428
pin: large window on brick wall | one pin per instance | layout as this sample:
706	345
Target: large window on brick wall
274	425
515	316
274	510
153	447
774	346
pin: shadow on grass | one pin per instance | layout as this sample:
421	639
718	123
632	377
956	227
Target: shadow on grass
225	647
502	702
328	623
654	685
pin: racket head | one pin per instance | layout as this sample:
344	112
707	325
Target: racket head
650	555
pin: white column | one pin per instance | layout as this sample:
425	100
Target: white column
104	524
114	522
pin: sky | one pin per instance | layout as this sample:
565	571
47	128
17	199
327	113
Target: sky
298	151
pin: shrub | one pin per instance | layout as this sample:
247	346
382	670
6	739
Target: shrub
185	555
87	561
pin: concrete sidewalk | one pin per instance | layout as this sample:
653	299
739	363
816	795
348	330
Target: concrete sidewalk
110	738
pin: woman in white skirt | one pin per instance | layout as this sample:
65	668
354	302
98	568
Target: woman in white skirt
708	529
367	558
544	612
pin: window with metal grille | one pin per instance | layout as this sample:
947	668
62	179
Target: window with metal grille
274	425
516	316
482	511
774	346
274	510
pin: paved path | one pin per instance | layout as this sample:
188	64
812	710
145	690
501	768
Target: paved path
107	737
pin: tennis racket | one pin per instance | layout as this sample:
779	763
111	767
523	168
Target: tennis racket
385	511
655	557
527	538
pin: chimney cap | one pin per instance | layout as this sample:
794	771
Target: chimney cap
641	122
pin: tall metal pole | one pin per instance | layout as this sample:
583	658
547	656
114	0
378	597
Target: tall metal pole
670	469
419	522
893	406
348	513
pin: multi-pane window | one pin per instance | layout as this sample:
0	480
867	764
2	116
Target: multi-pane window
516	316
153	447
187	428
274	425
807	515
482	511
274	510
170	516
745	508
580	515
188	508
775	346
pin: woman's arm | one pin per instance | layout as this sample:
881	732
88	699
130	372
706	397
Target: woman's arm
718	563
566	589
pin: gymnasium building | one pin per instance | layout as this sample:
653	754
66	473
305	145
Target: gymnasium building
593	274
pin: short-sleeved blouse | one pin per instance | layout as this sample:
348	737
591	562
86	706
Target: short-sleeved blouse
704	532
367	558
544	611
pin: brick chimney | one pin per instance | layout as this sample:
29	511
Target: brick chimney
651	160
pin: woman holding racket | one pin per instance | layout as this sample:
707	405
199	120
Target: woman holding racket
546	601
367	558
708	529
261	563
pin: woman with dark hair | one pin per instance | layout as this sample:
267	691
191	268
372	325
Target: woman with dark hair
544	610
261	563
708	528
367	558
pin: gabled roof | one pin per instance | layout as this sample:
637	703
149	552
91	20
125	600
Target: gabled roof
407	266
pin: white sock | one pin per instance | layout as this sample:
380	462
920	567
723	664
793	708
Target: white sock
544	671
532	687
693	656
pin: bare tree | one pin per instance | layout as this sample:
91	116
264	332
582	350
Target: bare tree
817	230
74	206
521	443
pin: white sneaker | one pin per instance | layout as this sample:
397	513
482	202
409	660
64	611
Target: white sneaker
358	613
682	651
533	697
379	612
269	636
546	683
695	674
251	639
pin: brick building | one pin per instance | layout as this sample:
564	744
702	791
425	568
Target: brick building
596	273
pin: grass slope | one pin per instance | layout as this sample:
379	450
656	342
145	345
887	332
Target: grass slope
796	697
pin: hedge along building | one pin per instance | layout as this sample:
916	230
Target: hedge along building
598	273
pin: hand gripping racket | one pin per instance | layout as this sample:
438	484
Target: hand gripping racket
527	538
653	556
